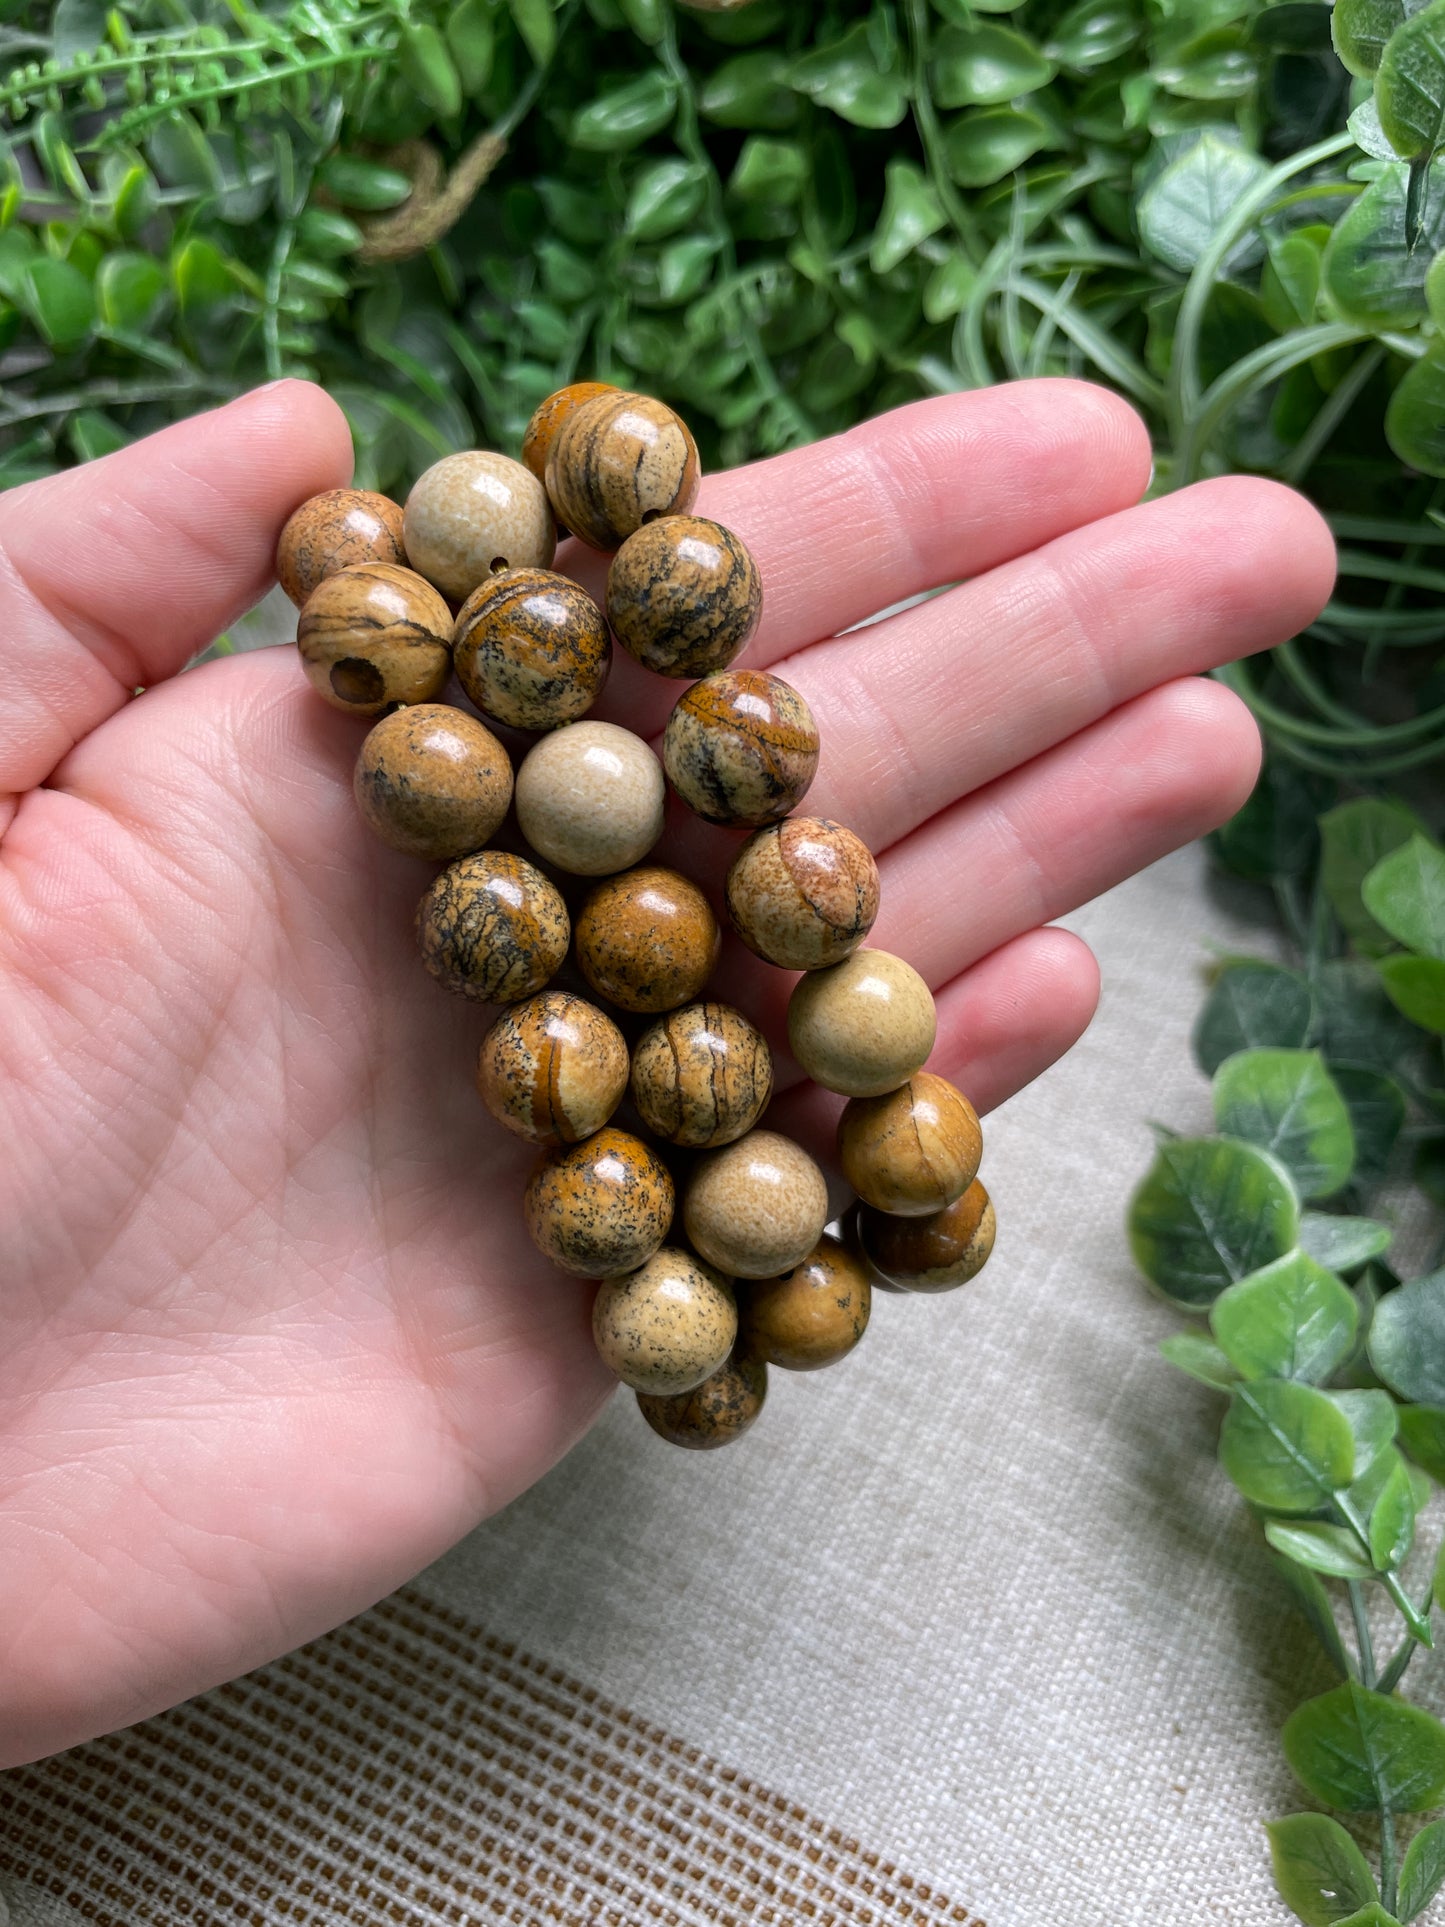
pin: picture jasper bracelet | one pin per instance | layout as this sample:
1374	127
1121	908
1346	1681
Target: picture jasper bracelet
393	601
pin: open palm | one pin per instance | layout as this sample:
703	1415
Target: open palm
271	1333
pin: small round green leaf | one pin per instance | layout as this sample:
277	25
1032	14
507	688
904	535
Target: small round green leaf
985	65
1287	1447
1286	1102
1209	1212
1290	1319
1186	204
1415	413
665	196
1322	1548
1353	838
1405	892
1362	1751
1252	1004
1422	1433
1340	1243
1320	1872
1374	269
625	115
1422	1871
1416	987
1362	29
1192	1352
982	146
1392	1519
1410	84
1407	1340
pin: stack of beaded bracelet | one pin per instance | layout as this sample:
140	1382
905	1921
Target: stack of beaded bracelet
392	601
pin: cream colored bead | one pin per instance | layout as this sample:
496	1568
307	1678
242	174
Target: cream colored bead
864	1026
668	1326
472	514
756	1207
590	799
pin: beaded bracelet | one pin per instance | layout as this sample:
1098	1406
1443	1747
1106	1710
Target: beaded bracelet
392	601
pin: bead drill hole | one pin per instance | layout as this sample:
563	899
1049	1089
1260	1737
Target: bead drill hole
499	562
651	515
357	681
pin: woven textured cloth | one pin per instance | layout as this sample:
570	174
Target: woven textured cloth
968	1628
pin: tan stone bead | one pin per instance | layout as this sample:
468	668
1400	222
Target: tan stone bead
432	781
474	513
757	1207
553	1069
714	1413
912	1151
701	1076
618	461
373	634
492	927
332	531
591	798
548	417
647	940
803	893
531	648
666	1326
600	1207
863	1026
812	1315
935	1253
741	748
683	596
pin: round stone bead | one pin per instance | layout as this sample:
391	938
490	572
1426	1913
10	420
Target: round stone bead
432	781
667	1326
863	1026
374	634
548	417
714	1413
935	1253
590	798
531	649
912	1151
683	596
553	1069
812	1315
618	461
701	1076
647	940
757	1207
474	513
332	531
741	748
803	893
492	927
600	1207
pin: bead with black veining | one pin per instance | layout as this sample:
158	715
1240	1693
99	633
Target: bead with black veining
684	596
666	1326
548	416
552	1069
374	634
332	531
803	893
619	461
432	781
531	648
741	747
701	1076
492	927
714	1413
600	1207
647	940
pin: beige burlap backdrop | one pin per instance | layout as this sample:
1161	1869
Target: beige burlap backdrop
966	1629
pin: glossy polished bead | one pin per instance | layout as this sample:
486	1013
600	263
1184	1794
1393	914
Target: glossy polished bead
332	531
600	1207
935	1253
590	798
492	928
701	1076
912	1151
647	940
714	1413
803	893
683	596
531	649
618	461
812	1315
863	1026
553	1069
475	513
373	634
741	748
757	1207
432	781
666	1326
548	417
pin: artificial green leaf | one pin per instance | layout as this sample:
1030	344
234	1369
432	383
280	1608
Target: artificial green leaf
684	265
1092	33
1320	1872
472	37
1363	1492
203	278
129	289
1405	891
365	185
1353	838
1410	84
1422	1871
1371	1417
1286	1102
750	90
1251	1004
625	115
982	146
1355	1022
769	170
1361	30
1376	1105
1422	1433
1186	204
134	202
428	68
1340	1243
665	196
93	434
1290	1319
61	302
1359	1751
1201	1358
1407	1340
949	288
1373	273
1217	65
1415	414
1392	1521
1290	280
76	27
1322	1548
1209	1212
1374	1915
537	24
1286	1446
1276	833
985	65
646	19
1416	987
1314	1602
846	77
911	212
1369	135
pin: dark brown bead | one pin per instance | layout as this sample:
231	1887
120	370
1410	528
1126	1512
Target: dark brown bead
714	1413
618	461
432	781
812	1315
935	1253
701	1076
553	1069
332	531
683	596
373	634
741	748
803	893
492	927
531	648
912	1151
600	1207
647	940
548	417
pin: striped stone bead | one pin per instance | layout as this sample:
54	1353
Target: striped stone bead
803	893
492	928
600	1207
333	530
619	461
741	748
374	634
547	418
701	1076
552	1069
684	596
531	648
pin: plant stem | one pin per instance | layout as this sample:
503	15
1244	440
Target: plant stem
1361	1618
1389	1869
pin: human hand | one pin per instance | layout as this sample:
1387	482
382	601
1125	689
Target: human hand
273	1335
